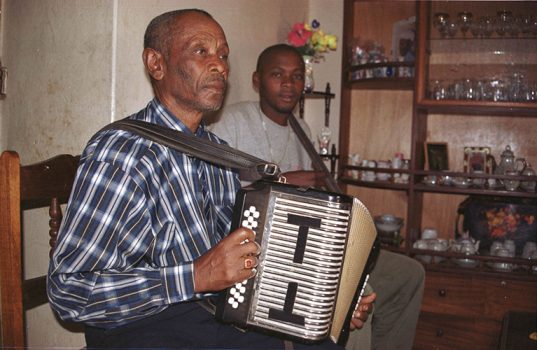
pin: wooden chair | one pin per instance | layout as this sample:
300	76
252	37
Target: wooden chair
44	184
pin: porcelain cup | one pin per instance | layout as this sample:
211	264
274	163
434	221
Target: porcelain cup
429	233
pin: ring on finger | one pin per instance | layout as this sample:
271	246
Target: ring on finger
248	263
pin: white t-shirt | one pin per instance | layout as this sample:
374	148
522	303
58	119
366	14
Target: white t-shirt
244	126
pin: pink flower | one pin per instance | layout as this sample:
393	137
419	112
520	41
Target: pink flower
299	35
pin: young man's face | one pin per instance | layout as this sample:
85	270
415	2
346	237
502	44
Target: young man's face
280	82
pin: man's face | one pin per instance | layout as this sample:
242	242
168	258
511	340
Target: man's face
280	81
196	69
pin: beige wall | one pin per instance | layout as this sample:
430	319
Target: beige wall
75	65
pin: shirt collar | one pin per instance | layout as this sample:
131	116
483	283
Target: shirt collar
157	113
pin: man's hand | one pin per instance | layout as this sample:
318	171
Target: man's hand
362	311
232	260
305	178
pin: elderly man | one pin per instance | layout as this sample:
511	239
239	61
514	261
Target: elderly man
146	229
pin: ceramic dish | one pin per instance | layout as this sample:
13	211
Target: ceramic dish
468	263
462	182
388	223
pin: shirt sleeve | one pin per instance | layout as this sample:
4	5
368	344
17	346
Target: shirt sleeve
99	273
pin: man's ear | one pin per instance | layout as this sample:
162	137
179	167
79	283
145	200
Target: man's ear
255	81
154	63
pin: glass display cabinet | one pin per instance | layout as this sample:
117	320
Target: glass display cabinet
467	123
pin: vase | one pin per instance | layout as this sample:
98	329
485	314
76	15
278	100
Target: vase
308	78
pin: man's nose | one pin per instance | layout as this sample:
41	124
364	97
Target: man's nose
219	65
287	80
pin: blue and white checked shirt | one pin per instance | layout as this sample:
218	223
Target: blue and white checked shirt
138	216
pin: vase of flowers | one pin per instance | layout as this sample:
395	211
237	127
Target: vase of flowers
312	43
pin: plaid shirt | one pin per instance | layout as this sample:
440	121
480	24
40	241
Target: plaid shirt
138	216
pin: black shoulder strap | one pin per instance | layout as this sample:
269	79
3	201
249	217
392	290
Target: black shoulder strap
316	160
205	149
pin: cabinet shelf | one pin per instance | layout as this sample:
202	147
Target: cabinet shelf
473	191
387	78
375	184
484	264
506	109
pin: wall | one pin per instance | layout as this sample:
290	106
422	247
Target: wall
75	65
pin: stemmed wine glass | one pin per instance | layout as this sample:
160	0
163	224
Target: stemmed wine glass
440	22
465	20
504	21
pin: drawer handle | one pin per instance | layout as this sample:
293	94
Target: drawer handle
442	293
439	332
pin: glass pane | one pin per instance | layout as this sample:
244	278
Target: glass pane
482	51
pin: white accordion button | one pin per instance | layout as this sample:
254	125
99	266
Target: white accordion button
241	299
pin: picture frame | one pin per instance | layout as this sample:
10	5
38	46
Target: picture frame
403	40
477	159
436	156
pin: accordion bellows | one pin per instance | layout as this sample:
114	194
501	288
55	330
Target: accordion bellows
314	251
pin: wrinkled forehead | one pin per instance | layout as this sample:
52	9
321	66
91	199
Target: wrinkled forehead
192	24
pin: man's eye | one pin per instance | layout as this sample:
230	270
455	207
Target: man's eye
299	77
276	74
201	51
224	57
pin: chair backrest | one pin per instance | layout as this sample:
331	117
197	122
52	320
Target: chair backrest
43	184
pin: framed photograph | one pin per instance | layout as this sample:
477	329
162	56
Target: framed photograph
477	159
403	40
436	156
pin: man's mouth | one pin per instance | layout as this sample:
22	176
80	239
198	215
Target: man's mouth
218	84
288	97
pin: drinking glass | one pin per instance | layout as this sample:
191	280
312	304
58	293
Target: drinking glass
487	26
438	90
503	22
324	140
451	29
464	20
440	22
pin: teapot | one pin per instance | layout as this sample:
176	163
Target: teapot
466	244
508	162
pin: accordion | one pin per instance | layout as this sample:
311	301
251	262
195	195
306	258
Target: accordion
315	250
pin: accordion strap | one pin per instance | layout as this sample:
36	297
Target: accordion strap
201	148
316	160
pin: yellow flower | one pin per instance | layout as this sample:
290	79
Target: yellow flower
331	41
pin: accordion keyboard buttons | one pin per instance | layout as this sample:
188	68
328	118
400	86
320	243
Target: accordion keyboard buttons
237	294
250	218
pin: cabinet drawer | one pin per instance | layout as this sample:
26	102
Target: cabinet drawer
453	295
508	295
441	332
